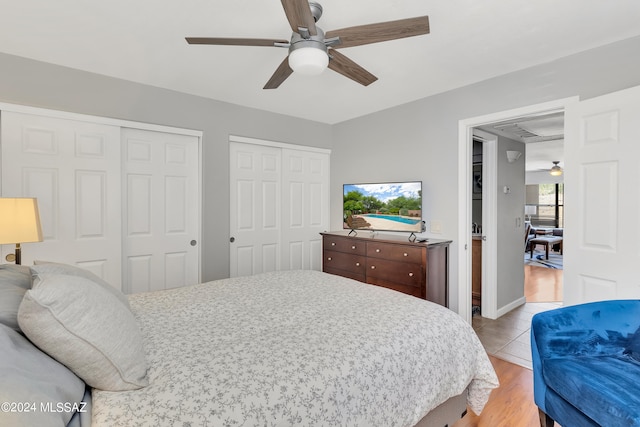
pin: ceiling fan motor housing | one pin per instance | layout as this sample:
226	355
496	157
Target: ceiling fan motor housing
316	10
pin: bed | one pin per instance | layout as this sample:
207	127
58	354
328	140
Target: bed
275	349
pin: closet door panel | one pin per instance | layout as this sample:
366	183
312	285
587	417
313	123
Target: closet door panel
162	231
73	169
305	182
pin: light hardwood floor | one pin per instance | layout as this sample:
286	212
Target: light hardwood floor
512	405
542	284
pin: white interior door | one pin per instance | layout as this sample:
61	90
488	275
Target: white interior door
255	209
602	181
73	169
161	227
305	197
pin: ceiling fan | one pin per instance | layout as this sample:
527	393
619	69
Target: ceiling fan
311	50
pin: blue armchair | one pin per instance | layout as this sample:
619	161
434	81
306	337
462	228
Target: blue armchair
586	364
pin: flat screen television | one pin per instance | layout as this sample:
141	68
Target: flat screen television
383	206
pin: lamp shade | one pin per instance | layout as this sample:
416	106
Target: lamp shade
19	220
309	61
530	209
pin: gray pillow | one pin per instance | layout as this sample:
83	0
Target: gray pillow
47	267
30	376
85	327
15	280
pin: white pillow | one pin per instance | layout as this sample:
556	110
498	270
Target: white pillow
58	268
86	328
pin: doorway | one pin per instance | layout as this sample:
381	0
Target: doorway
465	191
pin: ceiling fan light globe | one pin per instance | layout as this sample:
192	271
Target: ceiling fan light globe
308	61
556	170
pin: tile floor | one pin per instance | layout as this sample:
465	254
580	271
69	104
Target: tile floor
507	337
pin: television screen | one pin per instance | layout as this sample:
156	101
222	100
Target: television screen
385	206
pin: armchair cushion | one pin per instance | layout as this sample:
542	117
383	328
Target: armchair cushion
582	362
604	388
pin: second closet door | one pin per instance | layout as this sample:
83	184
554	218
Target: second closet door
161	220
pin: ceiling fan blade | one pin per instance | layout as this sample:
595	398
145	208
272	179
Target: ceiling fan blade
343	65
299	15
282	72
380	32
233	42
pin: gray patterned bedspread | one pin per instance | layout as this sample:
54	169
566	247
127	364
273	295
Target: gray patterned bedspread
298	348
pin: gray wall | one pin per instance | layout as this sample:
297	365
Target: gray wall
27	82
419	140
510	221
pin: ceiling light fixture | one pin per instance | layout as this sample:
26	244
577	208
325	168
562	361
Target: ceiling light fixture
308	61
556	170
308	55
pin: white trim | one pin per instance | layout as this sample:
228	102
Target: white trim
513	304
465	127
25	109
489	222
255	141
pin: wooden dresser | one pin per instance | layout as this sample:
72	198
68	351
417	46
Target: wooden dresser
418	269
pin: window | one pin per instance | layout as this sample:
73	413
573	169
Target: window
549	202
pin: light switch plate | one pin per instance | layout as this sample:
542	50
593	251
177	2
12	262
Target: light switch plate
436	227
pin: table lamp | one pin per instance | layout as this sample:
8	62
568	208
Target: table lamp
19	222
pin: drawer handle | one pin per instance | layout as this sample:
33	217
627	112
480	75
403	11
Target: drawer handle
357	264
353	247
410	274
329	259
406	254
333	243
378	250
373	267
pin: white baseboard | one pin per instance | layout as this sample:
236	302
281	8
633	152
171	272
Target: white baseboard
514	304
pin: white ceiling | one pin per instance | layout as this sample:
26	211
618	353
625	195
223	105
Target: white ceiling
470	41
543	135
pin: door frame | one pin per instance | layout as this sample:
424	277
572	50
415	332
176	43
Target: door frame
465	153
489	221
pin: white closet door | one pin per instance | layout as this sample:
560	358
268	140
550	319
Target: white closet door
602	174
279	204
255	209
161	225
73	169
305	198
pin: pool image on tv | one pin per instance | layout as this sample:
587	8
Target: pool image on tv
392	206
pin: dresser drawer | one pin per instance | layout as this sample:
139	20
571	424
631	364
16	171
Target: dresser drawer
389	251
341	261
344	244
394	271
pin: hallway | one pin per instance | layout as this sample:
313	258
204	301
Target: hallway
508	336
